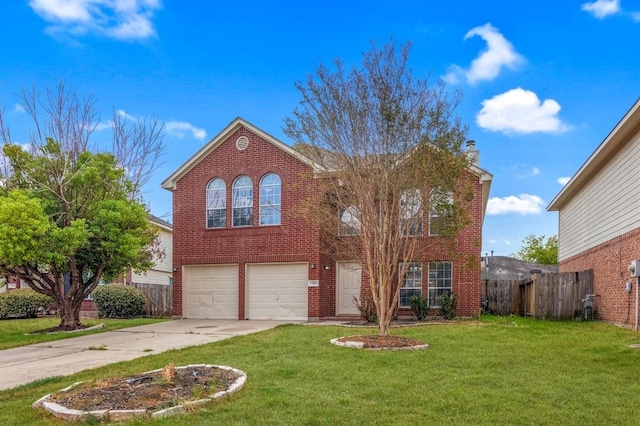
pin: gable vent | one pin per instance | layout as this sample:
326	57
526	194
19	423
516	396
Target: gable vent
242	143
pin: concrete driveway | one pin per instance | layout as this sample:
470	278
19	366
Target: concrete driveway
25	364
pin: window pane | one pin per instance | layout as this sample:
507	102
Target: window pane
243	201
440	281
411	212
411	283
216	204
270	199
349	221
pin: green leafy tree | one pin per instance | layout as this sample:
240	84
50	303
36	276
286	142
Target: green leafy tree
539	249
390	151
67	211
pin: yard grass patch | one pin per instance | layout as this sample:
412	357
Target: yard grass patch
15	332
500	371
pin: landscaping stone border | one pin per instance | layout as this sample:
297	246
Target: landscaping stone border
360	345
122	415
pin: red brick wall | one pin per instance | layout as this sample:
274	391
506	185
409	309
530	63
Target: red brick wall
609	262
294	240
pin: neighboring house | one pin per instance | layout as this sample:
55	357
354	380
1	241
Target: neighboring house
599	219
243	250
161	273
508	268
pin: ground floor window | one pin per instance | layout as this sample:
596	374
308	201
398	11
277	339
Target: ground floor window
440	281
410	284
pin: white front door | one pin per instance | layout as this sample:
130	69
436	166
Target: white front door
348	286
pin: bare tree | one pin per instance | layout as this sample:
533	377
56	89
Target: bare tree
390	150
59	114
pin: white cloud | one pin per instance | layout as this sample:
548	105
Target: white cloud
564	180
19	108
635	16
535	171
522	204
181	128
498	54
602	8
118	19
520	111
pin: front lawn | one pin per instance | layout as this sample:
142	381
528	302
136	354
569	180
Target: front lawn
15	332
499	371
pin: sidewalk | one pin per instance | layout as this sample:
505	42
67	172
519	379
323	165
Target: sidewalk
25	364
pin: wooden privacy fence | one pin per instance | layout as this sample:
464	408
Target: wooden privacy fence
159	298
558	296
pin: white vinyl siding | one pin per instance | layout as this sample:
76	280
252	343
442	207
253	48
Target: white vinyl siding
162	271
606	207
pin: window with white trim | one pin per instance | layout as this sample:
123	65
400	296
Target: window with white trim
440	281
270	199
440	204
216	204
349	221
410	284
242	198
411	212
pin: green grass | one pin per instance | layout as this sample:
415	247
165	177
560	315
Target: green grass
507	371
15	332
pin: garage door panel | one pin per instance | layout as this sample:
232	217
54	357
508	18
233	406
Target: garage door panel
212	291
277	291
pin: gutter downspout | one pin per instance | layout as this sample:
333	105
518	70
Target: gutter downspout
637	297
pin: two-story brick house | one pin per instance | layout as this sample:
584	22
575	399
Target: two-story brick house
242	249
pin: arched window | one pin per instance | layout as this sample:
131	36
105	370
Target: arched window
349	221
270	199
411	212
216	204
242	201
440	205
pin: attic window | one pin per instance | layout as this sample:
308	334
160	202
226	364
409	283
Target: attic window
242	143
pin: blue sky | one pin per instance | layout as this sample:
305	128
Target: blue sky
544	82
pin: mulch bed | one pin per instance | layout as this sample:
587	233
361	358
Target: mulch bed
150	391
374	341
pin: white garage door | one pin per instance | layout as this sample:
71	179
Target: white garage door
211	291
277	291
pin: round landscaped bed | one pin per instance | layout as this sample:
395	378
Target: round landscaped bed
377	342
158	393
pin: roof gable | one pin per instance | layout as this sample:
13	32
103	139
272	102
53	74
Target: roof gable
619	136
171	182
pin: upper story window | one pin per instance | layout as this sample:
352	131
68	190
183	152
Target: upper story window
440	203
411	212
349	221
216	204
242	198
270	199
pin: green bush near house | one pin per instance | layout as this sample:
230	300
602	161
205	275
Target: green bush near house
449	305
119	301
22	303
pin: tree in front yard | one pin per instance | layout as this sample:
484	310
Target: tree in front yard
68	211
390	151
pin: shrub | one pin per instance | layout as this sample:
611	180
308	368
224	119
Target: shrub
367	308
22	303
419	306
119	301
449	305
